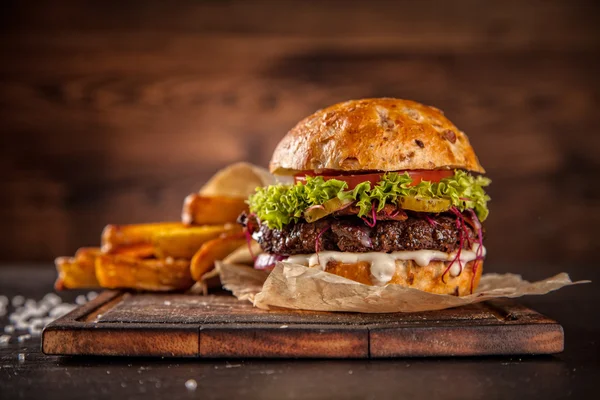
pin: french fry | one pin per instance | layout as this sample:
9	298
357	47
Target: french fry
123	272
115	237
142	250
211	251
211	210
184	242
77	272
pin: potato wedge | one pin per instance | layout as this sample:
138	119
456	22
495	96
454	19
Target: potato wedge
77	272
184	242
118	236
211	210
142	250
211	251
123	272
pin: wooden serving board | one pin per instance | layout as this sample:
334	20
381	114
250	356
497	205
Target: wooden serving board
219	326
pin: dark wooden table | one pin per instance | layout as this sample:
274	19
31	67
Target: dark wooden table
574	373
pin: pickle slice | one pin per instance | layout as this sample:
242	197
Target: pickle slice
315	213
424	205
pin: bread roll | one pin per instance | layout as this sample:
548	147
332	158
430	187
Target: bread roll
374	135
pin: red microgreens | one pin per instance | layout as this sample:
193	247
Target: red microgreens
431	221
461	235
249	235
317	241
394	214
464	235
479	252
373	217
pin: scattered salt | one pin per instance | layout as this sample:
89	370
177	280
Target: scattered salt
52	299
61	310
18	301
32	316
30	303
4	339
91	296
23	338
191	384
36	332
21	325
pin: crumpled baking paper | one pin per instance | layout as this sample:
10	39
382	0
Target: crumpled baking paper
298	287
295	286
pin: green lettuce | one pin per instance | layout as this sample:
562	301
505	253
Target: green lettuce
279	205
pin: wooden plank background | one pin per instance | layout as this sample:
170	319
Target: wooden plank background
114	111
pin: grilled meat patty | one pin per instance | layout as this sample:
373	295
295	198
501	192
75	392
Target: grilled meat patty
351	234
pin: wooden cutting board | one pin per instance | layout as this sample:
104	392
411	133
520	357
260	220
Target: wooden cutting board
219	326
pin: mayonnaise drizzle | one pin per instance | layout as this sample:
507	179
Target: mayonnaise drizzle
383	265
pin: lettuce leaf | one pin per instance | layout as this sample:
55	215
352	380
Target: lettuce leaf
279	205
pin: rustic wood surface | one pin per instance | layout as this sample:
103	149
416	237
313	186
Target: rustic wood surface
572	373
114	112
219	326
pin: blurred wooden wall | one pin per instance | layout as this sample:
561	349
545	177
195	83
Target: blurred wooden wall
114	112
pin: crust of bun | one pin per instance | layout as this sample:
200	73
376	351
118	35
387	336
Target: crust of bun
409	274
374	135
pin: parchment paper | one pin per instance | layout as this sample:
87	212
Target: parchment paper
298	287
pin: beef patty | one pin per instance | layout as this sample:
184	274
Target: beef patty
351	234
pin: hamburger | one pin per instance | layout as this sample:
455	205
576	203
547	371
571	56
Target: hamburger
385	191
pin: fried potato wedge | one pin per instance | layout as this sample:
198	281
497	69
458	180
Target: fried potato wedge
142	250
211	251
185	242
211	210
115	237
77	272
160	275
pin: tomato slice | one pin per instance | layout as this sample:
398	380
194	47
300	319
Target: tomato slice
353	180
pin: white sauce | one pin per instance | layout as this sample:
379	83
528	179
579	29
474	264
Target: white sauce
257	235
383	265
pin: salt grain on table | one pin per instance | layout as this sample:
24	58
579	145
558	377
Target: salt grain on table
191	384
23	338
91	296
18	301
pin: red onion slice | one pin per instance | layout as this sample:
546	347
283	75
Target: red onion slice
266	262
